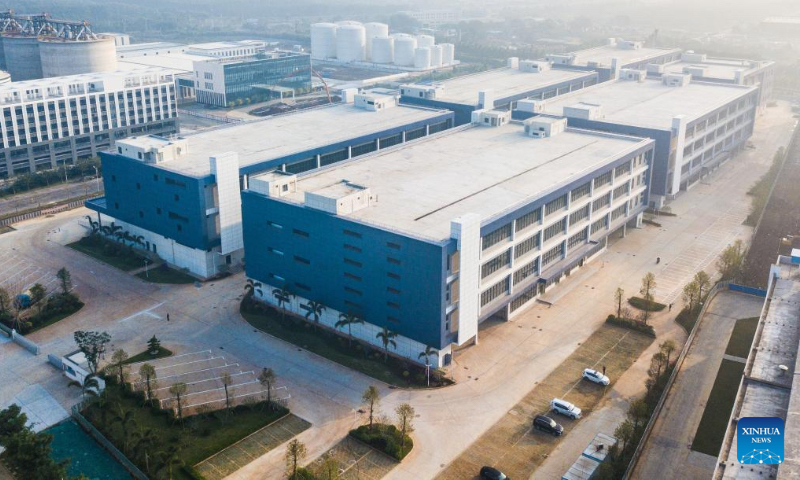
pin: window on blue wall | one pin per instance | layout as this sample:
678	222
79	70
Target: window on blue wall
352	277
158	210
393	260
393	245
113	178
302	286
302	260
393	275
138	186
116	205
393	290
353	291
274	225
300	233
352	305
352	262
177	197
352	248
155	177
393	305
180	229
141	214
351	233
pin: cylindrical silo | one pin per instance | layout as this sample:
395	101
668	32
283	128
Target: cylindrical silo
425	41
374	30
383	50
22	57
351	43
404	46
436	55
61	57
422	57
448	53
323	40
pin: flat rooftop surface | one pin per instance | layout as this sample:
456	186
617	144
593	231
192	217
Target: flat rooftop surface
505	82
603	55
281	135
482	170
176	61
649	104
717	68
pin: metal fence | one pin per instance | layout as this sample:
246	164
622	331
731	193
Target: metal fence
103	441
209	116
20	340
42	211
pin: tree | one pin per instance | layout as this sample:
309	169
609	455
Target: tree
170	458
143	441
90	385
667	348
371	398
638	413
92	344
624	433
648	285
427	354
314	308
657	365
27	456
348	320
126	420
178	389
619	297
690	295
38	294
95	226
295	452
118	359
386	337
153	346
12	422
5	301
283	296
65	279
226	382
405	417
267	378
730	262
252	286
703	284
148	372
330	467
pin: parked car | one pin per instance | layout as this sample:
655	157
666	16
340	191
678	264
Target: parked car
490	473
565	408
547	424
595	376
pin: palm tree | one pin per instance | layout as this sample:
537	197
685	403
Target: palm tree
427	353
314	308
95	226
139	240
386	336
348	320
125	418
178	389
267	378
148	372
252	286
111	230
90	385
144	439
283	295
170	458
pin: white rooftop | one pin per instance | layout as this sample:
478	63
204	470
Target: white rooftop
649	104
718	68
482	170
177	61
504	82
281	135
603	55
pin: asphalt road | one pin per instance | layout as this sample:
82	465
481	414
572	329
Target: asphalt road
43	196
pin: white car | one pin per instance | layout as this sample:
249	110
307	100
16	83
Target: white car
565	408
595	376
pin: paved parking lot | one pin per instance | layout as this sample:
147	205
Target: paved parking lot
356	461
18	274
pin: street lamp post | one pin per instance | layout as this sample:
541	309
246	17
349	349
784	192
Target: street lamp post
146	272
96	177
428	372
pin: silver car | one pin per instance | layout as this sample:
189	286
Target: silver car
565	408
595	376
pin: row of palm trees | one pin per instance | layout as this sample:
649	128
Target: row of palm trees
113	230
283	296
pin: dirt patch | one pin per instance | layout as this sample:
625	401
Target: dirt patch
511	445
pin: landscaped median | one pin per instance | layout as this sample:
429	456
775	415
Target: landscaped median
348	352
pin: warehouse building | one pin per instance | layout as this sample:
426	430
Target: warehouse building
498	88
55	121
616	54
430	240
735	71
183	195
697	126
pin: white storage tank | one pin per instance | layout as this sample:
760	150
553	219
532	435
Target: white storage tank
22	57
351	43
404	46
383	50
425	41
448	53
436	55
323	40
73	57
374	30
422	57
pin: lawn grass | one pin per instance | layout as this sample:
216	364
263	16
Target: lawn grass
336	348
742	337
54	319
166	275
687	318
144	356
642	304
709	436
126	261
200	436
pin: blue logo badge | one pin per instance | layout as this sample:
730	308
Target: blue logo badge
759	440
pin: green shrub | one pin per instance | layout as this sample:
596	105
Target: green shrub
384	438
642	304
631	325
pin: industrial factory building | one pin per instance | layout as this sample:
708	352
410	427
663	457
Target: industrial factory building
497	89
183	195
431	240
696	126
37	46
615	54
370	44
55	121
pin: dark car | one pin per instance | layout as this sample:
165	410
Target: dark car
490	473
547	424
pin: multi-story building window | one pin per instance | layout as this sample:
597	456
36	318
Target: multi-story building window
526	246
495	264
553	254
621	191
526	271
496	236
555	205
554	229
579	215
601	202
580	192
599	224
495	291
525	221
618	212
623	169
603	179
577	239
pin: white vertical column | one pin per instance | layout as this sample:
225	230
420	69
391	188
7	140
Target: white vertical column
679	132
466	230
225	168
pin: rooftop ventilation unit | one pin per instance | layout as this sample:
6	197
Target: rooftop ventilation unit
543	127
490	118
633	75
584	111
374	103
676	79
428	92
695	70
561	59
340	198
530	106
273	184
655	68
629	45
534	66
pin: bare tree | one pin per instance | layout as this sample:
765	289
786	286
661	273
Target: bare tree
371	398
619	297
295	452
178	389
648	285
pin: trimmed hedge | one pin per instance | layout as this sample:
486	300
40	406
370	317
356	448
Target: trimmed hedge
642	304
384	438
56	308
631	325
